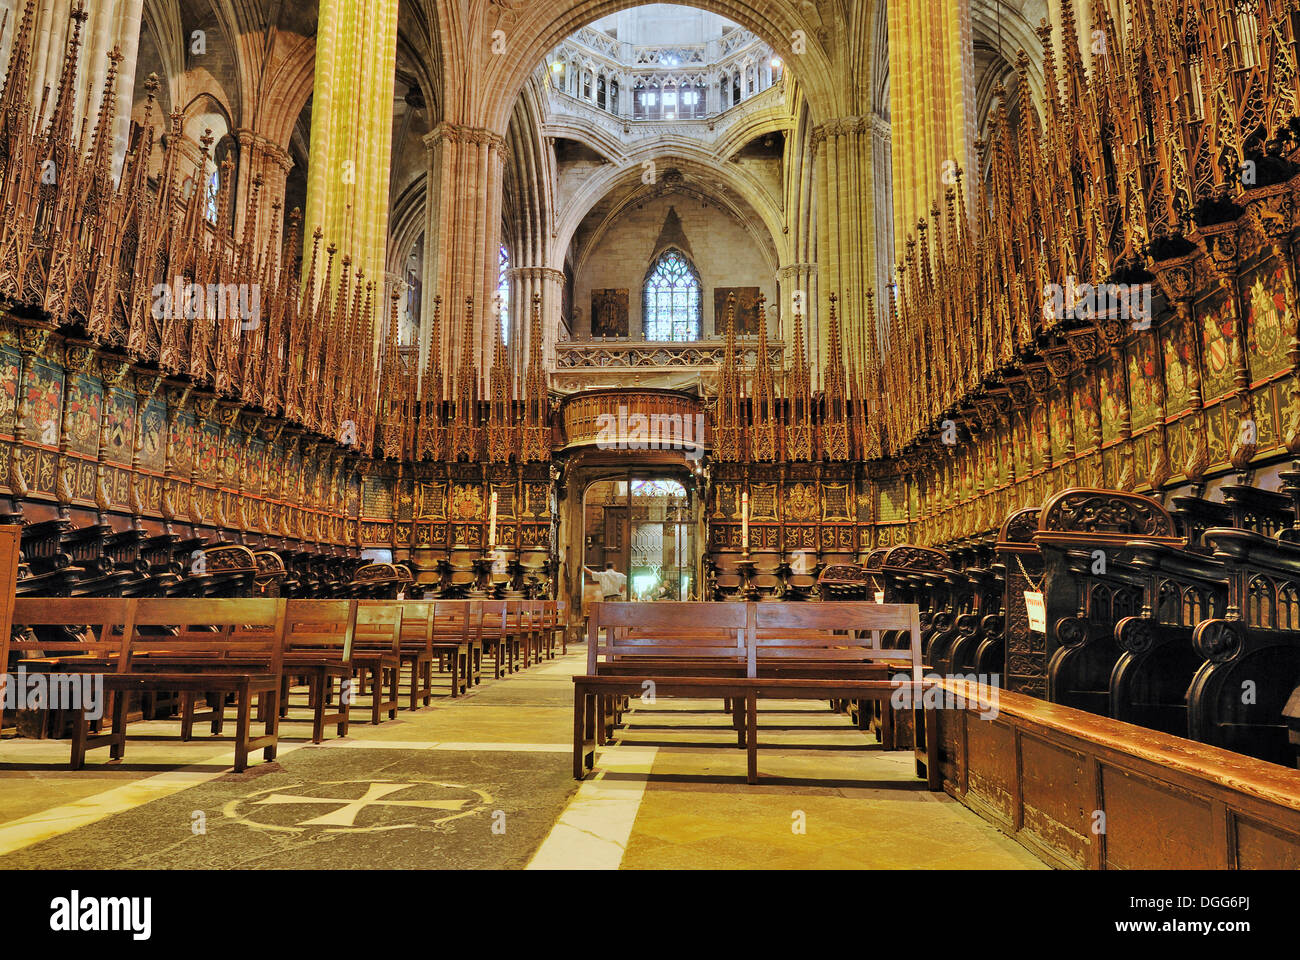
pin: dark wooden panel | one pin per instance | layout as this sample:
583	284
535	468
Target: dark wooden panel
1168	802
1151	825
993	777
1263	847
1057	807
950	750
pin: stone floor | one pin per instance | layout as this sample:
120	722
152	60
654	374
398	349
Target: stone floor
484	782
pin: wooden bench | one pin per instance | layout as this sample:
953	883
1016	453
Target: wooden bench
377	654
774	657
477	615
318	647
185	646
415	648
511	629
532	625
10	558
84	635
557	621
521	636
228	654
546	616
64	635
696	650
441	628
840	641
682	639
492	631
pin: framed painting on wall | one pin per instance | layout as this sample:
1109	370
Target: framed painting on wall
609	313
746	310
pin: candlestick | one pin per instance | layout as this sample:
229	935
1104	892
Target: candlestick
492	523
744	521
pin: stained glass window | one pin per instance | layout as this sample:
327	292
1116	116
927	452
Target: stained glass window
672	299
658	488
210	200
503	294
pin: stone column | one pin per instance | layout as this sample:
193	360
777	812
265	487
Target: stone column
795	278
53	18
845	244
1079	14
549	283
352	129
932	106
259	156
463	213
882	178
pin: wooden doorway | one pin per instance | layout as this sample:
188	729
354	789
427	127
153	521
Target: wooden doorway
644	526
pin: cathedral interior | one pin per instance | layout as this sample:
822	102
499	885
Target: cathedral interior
982	311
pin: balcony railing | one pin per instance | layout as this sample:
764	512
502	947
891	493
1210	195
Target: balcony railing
644	354
563	102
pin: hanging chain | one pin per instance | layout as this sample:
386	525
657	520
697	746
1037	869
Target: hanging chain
1037	587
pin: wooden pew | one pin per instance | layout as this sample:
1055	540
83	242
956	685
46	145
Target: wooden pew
830	643
555	620
441	629
513	636
726	579
318	643
1024	651
226	657
317	648
377	654
1085	598
771	657
64	635
983	621
479	614
958	604
271	574
1180	588
541	637
682	633
415	649
47	567
491	628
844	581
693	649
693	641
547	626
814	645
521	637
10	539
912	575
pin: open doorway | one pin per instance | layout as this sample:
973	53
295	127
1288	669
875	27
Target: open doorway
643	527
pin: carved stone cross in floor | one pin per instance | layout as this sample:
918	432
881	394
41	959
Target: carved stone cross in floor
348	810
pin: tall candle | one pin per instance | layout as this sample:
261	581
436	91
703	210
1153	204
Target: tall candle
492	523
744	520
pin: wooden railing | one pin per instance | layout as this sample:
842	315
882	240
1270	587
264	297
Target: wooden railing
1085	791
624	418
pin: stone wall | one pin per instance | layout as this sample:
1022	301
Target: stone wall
723	251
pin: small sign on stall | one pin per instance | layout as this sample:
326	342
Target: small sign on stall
1037	611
